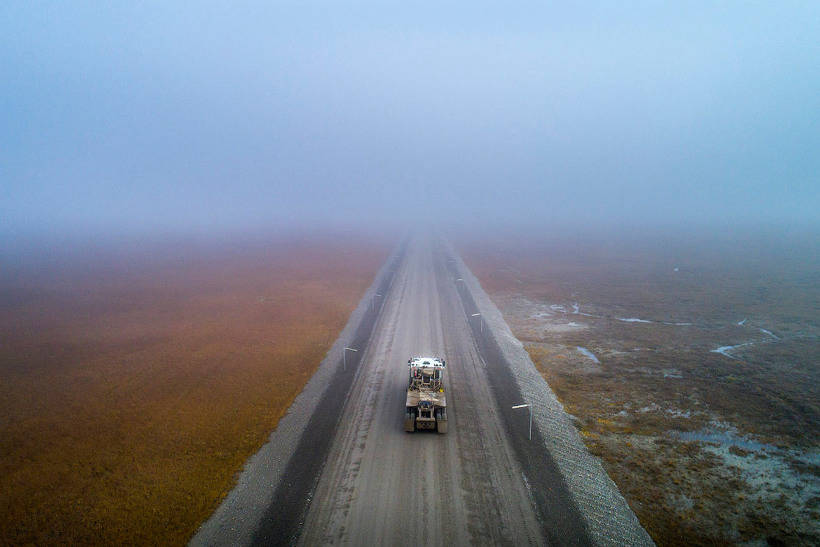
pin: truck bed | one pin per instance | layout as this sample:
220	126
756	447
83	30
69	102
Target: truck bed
436	397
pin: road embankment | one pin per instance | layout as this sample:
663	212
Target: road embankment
558	467
273	491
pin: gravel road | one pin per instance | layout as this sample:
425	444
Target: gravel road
340	469
383	486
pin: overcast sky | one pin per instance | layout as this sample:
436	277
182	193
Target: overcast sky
178	116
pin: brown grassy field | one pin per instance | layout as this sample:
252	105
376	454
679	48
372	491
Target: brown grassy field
135	383
707	448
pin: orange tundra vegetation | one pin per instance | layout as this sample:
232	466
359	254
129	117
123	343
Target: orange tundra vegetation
133	388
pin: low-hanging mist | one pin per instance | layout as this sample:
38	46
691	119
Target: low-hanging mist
167	117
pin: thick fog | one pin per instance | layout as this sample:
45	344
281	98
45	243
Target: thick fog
176	116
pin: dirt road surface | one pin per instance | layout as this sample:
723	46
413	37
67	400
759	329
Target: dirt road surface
340	469
383	486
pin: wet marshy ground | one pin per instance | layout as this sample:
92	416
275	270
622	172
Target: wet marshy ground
691	370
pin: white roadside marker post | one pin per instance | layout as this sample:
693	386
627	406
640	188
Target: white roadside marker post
344	357
480	321
530	409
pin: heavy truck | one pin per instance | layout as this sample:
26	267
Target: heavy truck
426	406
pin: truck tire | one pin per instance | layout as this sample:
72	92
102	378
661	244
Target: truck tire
409	421
441	420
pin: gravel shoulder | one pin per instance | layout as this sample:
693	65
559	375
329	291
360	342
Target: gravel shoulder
565	477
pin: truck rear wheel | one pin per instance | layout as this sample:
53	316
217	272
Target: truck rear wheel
410	421
441	420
